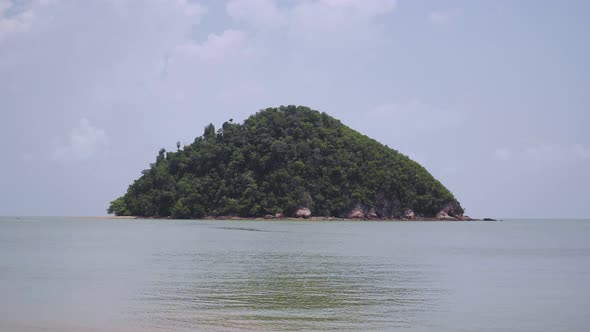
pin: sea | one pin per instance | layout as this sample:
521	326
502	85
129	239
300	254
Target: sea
91	274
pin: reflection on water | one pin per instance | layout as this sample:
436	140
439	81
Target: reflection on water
242	229
287	291
69	275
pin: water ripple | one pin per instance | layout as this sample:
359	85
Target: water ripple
286	291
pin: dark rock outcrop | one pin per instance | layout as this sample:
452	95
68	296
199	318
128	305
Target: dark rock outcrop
452	209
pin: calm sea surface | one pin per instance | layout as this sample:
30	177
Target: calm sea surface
67	274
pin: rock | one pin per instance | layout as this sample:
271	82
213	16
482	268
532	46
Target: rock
269	216
279	215
356	213
489	219
444	216
409	214
303	213
372	214
452	209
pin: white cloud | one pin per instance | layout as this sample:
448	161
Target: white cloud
10	24
192	9
261	13
306	15
445	16
18	17
215	47
4	6
328	27
84	142
335	27
367	7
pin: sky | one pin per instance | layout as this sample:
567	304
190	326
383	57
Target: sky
492	97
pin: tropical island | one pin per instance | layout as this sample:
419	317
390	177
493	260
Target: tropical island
286	162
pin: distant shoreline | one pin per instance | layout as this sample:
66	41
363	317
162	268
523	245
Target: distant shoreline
291	218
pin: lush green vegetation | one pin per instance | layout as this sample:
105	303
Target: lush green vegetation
279	160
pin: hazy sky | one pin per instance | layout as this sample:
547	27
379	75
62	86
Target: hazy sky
492	97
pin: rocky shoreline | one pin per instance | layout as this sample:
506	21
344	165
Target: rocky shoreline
271	218
450	212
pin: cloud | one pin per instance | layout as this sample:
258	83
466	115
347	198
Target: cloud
11	23
310	36
445	16
336	28
215	47
4	6
367	7
313	14
17	16
192	9
261	13
84	142
546	153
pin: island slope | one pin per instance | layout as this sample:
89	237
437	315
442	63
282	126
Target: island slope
286	161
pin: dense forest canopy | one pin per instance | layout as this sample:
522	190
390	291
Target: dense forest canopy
278	161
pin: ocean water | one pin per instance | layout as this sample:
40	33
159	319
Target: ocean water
68	274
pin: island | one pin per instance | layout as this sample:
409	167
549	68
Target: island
286	162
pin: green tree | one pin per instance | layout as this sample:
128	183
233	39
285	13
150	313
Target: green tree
278	160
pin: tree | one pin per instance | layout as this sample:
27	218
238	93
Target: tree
118	207
209	131
278	160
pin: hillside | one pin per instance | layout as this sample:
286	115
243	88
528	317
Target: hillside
290	161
